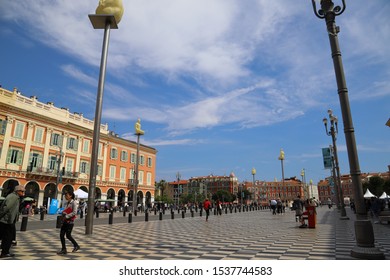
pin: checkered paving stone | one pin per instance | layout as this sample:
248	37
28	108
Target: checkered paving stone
256	235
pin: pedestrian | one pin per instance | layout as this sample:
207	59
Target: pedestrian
9	214
298	206
219	207
68	216
207	206
273	206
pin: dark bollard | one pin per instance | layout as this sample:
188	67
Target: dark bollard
172	215
155	211
124	212
59	222
225	210
23	226
97	213
183	214
130	219
42	215
160	216
192	213
135	213
146	216
110	218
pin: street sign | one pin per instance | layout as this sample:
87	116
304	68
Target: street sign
327	158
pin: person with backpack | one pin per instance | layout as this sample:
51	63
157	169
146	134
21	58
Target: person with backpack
9	215
68	216
298	206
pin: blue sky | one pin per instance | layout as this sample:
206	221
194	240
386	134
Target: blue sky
220	86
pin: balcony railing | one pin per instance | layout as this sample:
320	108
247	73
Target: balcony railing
51	172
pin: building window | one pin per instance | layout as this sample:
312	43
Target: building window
84	167
69	164
132	158
56	140
123	174
19	128
86	146
149	179
38	135
3	127
15	156
52	163
100	150
71	144
35	160
141	177
142	160
112	172
100	170
150	162
114	153
124	156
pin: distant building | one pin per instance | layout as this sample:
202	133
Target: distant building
41	144
327	190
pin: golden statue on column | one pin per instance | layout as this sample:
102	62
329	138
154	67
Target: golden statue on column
138	130
281	155
111	7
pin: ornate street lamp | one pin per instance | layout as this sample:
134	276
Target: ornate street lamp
178	175
253	175
364	233
333	131
304	183
281	158
107	17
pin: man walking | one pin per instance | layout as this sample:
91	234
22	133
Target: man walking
207	206
9	214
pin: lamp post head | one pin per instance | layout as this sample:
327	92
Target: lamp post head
253	171
303	172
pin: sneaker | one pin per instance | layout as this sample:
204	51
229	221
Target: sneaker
62	252
303	226
75	249
14	243
2	256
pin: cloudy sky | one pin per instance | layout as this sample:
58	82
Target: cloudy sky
220	85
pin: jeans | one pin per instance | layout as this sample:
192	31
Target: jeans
66	230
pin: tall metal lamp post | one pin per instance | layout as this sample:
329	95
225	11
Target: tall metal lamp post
138	133
253	175
178	189
333	131
59	158
103	19
364	233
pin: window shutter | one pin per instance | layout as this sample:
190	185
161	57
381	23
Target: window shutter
19	158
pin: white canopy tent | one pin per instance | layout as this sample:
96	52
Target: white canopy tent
368	194
81	194
384	196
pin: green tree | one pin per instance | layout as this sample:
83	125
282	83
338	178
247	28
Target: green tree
375	184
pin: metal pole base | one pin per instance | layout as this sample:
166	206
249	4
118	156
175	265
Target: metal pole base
365	248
